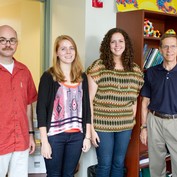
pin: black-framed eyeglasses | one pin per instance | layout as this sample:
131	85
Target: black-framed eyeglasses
4	41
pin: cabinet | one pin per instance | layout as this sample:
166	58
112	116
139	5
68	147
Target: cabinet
133	23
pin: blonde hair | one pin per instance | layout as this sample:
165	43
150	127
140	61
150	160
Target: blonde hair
76	66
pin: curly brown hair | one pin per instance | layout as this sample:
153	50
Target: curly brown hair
107	56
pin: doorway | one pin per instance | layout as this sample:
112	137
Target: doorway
27	18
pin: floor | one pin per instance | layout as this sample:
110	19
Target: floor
37	175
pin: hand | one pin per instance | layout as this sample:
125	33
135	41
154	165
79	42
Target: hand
143	136
95	138
46	150
32	144
86	145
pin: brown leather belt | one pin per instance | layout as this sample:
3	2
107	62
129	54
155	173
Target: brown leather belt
164	116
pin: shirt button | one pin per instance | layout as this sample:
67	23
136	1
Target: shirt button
167	77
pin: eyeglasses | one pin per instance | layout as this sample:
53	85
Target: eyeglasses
166	47
4	41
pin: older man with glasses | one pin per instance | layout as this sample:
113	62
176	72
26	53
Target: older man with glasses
159	108
17	93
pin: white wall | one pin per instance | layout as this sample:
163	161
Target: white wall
87	25
97	22
68	17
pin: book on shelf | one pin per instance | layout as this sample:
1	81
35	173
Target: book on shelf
144	161
144	165
145	49
152	57
144	158
140	173
168	174
158	59
146	56
144	172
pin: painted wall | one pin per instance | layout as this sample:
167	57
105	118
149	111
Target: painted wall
97	22
26	18
68	17
87	25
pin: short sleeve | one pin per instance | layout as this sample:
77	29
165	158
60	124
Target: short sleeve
32	93
95	70
146	89
139	76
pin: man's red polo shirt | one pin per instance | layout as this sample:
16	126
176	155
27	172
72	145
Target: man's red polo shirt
17	90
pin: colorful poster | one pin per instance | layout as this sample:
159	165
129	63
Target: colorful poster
166	6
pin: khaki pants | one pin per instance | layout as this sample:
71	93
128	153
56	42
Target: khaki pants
14	164
161	132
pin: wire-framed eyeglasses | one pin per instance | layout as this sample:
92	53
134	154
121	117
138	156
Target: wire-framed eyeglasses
167	47
4	41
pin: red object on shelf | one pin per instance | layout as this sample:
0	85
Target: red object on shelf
97	3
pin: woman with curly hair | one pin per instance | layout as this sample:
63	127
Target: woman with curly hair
114	85
63	110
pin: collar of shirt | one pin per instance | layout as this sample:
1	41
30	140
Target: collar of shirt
160	67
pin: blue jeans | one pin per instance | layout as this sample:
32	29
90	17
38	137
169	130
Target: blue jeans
111	153
66	151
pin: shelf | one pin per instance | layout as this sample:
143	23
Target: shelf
151	38
158	15
144	162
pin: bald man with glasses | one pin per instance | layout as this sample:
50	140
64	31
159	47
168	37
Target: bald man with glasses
17	93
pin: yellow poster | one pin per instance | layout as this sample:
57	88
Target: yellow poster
166	6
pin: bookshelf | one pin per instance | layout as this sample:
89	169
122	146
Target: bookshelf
133	23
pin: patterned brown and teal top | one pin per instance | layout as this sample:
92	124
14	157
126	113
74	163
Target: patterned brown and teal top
117	91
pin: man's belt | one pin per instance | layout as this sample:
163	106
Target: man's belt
164	116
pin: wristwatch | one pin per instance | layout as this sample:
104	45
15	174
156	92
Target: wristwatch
31	132
143	126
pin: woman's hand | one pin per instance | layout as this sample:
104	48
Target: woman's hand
95	138
46	150
86	144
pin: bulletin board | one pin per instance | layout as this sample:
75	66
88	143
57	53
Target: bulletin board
166	6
